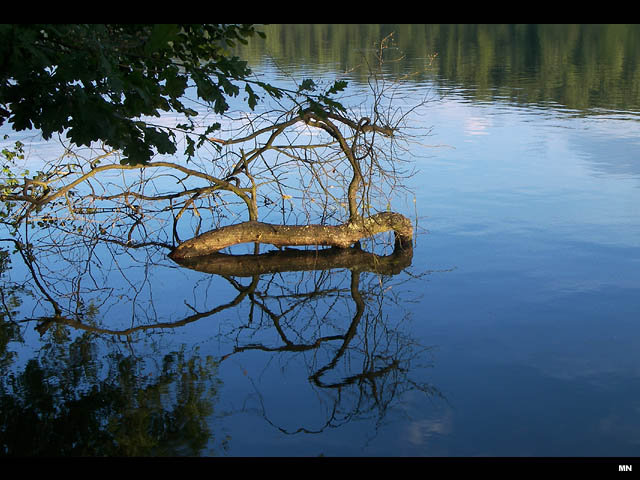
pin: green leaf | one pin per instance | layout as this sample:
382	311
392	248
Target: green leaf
175	84
161	35
163	141
190	151
332	104
338	86
271	90
316	108
212	128
253	98
307	84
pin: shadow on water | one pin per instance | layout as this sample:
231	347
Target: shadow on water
93	388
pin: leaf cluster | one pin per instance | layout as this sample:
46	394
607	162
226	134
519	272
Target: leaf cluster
9	180
97	82
322	102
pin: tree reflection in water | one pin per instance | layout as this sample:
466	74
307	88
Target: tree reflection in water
88	391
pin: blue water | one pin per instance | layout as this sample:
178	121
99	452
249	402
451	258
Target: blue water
516	327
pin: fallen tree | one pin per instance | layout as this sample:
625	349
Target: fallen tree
305	171
341	236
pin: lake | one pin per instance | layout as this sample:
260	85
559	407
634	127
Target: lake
513	331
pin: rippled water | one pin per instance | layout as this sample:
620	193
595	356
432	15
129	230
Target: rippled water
514	332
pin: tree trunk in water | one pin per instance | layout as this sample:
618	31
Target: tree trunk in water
341	236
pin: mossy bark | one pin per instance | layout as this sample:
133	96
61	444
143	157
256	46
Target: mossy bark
341	236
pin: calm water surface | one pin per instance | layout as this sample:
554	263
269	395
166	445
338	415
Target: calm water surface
514	332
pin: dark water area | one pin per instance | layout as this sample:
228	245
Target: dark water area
511	328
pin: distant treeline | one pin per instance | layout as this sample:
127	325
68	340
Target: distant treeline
578	66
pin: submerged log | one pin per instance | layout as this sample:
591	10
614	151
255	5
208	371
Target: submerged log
341	236
293	260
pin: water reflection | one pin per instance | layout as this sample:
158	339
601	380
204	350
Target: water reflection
98	387
608	153
580	67
67	402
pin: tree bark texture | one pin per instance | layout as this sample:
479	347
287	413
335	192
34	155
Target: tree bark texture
341	236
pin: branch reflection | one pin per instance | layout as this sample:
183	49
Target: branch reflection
340	314
364	364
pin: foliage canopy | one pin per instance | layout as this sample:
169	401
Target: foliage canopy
105	82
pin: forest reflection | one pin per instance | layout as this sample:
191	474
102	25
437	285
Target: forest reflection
97	387
580	67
